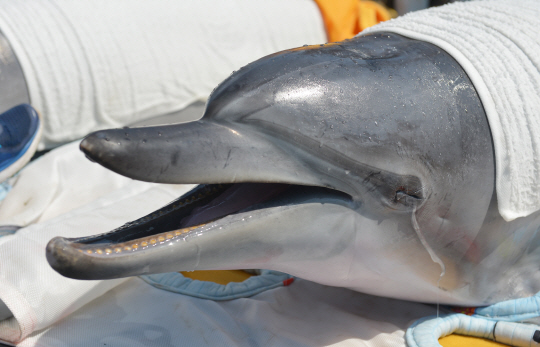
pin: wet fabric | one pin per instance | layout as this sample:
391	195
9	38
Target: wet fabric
496	43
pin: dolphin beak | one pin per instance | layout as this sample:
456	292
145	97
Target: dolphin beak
252	192
197	152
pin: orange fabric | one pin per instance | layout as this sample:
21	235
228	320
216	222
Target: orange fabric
467	341
218	276
345	18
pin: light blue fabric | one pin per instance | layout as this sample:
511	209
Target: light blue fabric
512	310
495	322
8	229
5	187
175	282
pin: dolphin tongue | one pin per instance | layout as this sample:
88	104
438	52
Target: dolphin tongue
236	198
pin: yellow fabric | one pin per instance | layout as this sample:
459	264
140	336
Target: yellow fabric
467	341
218	276
371	13
345	18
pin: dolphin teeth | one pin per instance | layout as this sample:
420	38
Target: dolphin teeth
190	212
150	236
137	244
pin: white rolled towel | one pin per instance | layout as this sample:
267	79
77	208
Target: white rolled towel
108	63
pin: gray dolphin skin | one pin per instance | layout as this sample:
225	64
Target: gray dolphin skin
365	164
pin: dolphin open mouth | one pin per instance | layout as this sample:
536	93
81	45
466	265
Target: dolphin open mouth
181	219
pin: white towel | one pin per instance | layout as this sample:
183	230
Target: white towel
497	42
64	194
109	63
304	314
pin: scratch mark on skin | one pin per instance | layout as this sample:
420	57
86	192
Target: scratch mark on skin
174	159
371	174
228	158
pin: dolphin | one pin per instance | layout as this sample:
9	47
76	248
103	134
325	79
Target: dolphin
366	164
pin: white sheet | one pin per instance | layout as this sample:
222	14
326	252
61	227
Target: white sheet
107	63
303	314
62	194
497	43
84	198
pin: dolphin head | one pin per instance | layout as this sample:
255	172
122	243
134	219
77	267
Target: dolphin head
365	164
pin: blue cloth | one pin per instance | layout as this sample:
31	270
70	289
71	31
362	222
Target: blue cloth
175	282
496	322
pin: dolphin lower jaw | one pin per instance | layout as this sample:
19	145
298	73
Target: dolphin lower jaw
311	232
211	220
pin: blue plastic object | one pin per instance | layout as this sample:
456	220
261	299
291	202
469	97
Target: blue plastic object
19	132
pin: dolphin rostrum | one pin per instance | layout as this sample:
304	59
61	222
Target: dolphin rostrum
366	164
